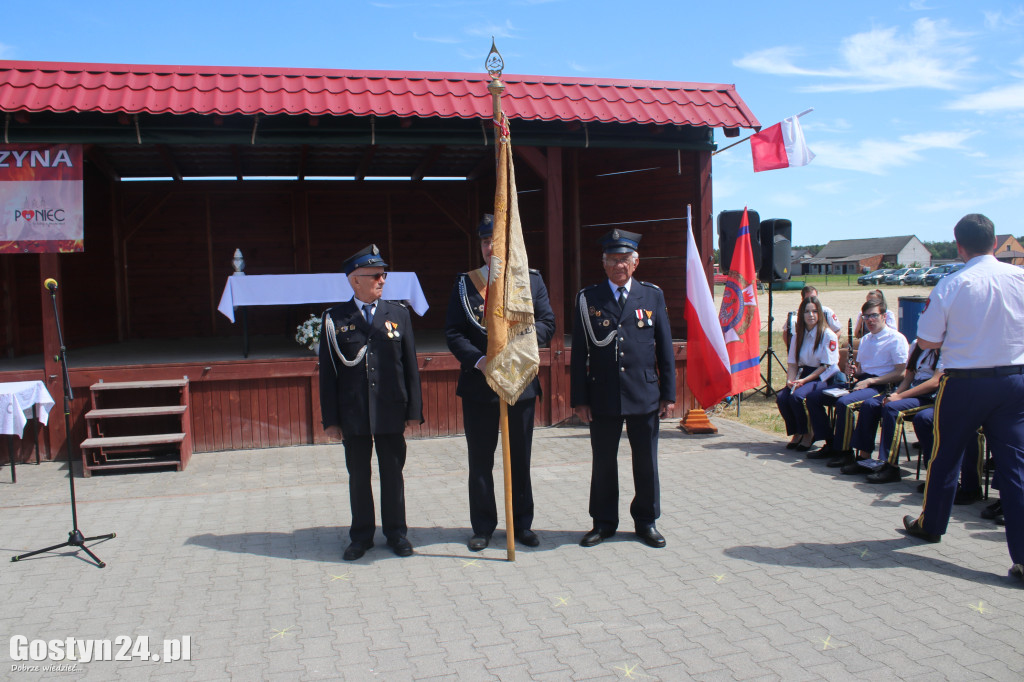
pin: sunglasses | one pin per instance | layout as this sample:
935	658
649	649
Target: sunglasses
378	276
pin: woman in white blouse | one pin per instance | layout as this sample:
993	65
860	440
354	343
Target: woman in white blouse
813	359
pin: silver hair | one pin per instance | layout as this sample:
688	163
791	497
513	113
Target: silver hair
633	254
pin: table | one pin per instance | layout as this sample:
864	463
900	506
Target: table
19	402
331	287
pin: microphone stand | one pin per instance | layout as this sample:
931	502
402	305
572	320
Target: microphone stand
75	537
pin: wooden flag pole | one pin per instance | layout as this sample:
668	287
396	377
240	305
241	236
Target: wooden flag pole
495	65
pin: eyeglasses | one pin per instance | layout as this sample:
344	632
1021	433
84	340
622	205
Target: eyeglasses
872	316
377	275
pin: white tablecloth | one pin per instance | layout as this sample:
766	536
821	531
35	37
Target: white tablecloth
17	399
316	288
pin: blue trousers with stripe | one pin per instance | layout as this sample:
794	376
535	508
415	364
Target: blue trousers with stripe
963	404
840	437
792	408
970	470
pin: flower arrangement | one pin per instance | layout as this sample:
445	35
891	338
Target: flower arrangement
308	333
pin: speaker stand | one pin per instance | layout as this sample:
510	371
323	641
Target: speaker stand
769	352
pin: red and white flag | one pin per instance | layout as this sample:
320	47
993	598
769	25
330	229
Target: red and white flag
780	146
739	316
707	361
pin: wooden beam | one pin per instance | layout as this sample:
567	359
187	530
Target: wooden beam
168	159
555	280
364	164
428	160
303	159
486	163
534	158
96	157
449	211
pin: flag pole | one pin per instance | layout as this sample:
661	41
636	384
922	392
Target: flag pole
495	65
719	151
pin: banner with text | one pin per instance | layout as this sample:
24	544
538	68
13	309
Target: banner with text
41	205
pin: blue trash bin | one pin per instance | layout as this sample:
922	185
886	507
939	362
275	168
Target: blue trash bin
911	308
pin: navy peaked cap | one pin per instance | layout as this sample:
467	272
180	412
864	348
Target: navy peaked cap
620	241
367	258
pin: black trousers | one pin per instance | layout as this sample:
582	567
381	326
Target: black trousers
481	424
390	461
605	433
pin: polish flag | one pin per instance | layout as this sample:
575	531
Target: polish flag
780	146
707	360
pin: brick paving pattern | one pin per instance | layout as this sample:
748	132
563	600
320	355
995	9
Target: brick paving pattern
776	569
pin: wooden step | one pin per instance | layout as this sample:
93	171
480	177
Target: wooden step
124	385
132	441
135	411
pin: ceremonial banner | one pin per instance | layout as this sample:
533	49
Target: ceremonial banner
41	198
739	316
512	355
707	360
780	146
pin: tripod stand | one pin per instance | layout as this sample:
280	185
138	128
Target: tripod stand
769	352
75	537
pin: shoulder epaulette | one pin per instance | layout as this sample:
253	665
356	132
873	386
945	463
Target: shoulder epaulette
650	284
395	302
534	271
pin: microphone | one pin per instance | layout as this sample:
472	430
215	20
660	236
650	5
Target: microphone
50	284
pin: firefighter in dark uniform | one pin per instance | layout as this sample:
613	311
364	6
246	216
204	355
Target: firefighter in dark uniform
623	370
976	316
369	392
467	340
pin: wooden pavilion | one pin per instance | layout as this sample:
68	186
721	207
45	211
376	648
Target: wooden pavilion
300	168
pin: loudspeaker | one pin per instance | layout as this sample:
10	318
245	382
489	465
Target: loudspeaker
776	250
729	230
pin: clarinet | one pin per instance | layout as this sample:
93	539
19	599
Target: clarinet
851	357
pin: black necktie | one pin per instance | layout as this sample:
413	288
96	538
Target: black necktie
622	297
368	313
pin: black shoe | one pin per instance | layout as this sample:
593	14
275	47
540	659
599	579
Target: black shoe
651	537
887	474
992	511
478	542
1017	571
803	448
920	487
967	496
793	445
820	453
401	546
527	537
854	468
842	459
914	528
595	537
356	550
1000	521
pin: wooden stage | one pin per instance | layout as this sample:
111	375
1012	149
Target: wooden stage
269	399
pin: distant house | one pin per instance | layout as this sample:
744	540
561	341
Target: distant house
1009	250
852	256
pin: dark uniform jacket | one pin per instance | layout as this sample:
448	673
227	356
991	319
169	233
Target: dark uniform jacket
468	341
636	370
381	392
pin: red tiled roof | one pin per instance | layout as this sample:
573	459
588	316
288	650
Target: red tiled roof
123	88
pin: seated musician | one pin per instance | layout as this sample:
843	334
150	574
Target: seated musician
791	319
881	359
920	382
860	329
813	354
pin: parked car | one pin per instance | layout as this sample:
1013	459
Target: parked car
898	276
918	277
941	271
875	277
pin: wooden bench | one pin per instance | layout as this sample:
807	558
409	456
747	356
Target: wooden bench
133	436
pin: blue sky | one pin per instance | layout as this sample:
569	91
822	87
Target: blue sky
919	104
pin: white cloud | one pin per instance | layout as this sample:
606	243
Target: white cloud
578	67
997	20
438	39
879	156
1003	98
919	5
495	30
879	59
6	51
